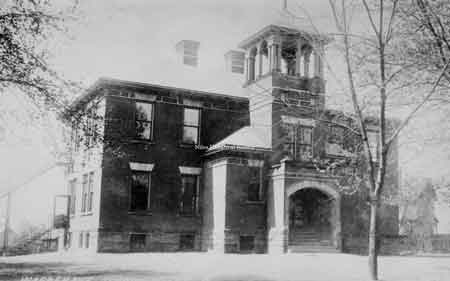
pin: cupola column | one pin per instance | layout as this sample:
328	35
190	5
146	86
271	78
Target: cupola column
306	59
298	56
250	65
320	61
274	43
317	67
260	59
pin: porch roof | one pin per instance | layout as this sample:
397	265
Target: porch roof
248	138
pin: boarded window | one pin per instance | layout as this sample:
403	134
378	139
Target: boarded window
191	125
140	191
247	243
188	196
137	242
187	242
144	120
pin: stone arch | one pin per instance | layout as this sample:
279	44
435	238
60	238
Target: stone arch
324	187
327	189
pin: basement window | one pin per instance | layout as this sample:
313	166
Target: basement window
246	243
187	242
137	242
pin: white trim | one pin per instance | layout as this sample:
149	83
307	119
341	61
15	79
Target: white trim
146	167
298	121
255	163
190	170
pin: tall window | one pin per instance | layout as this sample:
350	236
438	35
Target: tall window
80	240
140	191
304	143
144	120
84	193
90	191
254	190
336	135
191	125
73	196
189	194
298	141
86	240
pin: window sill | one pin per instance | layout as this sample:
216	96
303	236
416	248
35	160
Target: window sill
250	202
140	213
188	215
87	214
188	145
141	141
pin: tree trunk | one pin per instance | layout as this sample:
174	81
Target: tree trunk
373	249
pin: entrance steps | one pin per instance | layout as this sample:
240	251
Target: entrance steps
306	248
311	242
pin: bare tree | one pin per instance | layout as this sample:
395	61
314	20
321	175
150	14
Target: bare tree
374	70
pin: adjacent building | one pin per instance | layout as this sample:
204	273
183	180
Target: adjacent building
160	168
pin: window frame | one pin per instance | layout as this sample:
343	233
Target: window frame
87	240
295	144
90	192
196	196
132	249
198	126
148	208
84	194
73	196
80	239
259	182
151	122
298	144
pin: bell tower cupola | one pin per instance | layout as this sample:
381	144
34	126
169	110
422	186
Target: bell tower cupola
285	52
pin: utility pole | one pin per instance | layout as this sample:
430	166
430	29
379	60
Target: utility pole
6	226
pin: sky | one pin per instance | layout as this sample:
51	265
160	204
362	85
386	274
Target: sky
135	40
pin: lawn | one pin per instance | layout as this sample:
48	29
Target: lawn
209	267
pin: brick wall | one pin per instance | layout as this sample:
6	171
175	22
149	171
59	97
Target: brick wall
162	224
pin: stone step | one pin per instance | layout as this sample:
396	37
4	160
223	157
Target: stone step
312	249
307	243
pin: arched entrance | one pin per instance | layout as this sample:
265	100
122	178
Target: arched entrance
313	216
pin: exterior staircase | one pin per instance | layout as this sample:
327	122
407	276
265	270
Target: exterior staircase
311	242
